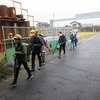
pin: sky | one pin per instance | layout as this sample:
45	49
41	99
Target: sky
44	10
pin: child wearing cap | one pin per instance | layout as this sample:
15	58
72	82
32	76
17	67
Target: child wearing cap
21	57
43	49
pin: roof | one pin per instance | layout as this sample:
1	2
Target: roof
43	23
74	22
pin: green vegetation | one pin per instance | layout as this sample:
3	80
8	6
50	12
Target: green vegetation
90	29
5	71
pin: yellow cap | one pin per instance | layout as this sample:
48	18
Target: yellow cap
42	34
17	36
32	32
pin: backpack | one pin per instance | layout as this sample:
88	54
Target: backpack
28	50
72	38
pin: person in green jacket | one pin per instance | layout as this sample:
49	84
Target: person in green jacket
21	58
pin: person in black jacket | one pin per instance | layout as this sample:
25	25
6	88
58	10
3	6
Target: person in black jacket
36	46
62	43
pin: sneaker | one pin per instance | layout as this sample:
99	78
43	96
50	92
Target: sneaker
29	77
33	70
13	84
39	68
43	64
59	56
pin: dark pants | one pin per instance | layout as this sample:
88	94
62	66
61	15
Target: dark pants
17	68
62	47
76	42
72	45
43	57
33	59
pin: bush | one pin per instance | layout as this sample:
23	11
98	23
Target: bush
5	71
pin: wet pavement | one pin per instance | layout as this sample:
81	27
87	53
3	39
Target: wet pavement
75	76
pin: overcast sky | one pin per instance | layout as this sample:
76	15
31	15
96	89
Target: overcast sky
44	10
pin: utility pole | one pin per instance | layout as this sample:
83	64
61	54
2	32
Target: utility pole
53	19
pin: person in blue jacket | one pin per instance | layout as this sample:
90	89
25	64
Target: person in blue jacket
62	43
72	38
75	39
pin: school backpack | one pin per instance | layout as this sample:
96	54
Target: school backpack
28	50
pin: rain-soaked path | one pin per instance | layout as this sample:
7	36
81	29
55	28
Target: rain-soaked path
76	76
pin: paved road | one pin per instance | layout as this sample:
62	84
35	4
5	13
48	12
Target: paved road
75	76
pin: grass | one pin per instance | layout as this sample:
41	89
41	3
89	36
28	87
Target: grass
5	71
83	35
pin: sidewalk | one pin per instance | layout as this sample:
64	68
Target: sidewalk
75	76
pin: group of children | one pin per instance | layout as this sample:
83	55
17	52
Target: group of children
62	42
38	47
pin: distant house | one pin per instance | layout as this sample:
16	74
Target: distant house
75	25
43	24
43	28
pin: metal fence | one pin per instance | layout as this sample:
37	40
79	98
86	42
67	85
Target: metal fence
9	31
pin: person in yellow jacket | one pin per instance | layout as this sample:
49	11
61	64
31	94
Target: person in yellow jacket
21	57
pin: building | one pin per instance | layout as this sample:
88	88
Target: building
43	24
75	25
